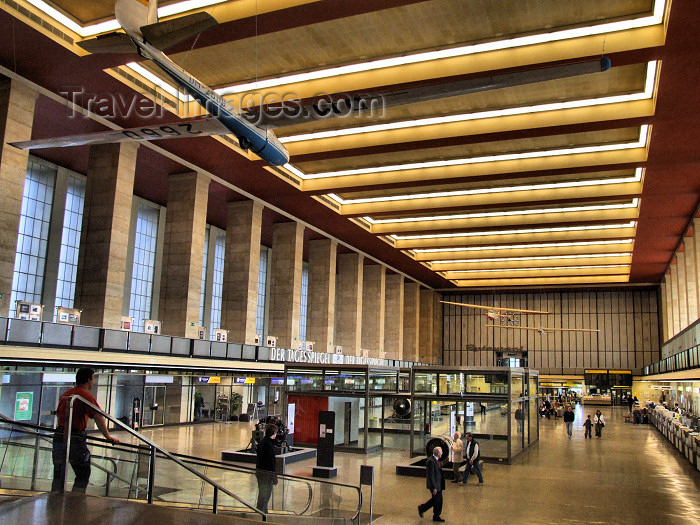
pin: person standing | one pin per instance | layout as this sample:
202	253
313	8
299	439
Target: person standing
457	457
266	467
79	455
569	420
599	422
588	424
472	453
483	408
435	483
630	402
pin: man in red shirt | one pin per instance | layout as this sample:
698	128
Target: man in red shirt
79	456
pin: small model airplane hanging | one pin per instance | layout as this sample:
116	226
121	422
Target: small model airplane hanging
511	315
145	35
542	329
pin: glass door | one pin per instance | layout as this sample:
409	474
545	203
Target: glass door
154	405
49	403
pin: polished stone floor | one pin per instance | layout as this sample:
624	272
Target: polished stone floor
630	476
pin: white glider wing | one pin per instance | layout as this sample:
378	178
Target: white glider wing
184	129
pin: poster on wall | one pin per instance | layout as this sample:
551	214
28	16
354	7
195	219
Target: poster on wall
291	411
29	311
24	402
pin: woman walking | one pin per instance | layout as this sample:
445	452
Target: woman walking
599	422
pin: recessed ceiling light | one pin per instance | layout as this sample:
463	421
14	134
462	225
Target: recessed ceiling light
533	258
463	117
504	189
556	36
639	143
630	224
539	211
112	24
549	268
522	246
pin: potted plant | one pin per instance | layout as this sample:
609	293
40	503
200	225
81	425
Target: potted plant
235	409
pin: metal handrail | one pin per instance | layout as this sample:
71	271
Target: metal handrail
151	466
92	456
136	448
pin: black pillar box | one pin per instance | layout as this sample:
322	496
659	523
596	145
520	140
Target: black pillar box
326	437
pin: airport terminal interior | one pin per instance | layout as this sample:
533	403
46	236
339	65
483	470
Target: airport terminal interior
373	225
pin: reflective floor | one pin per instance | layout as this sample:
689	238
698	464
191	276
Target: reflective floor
632	475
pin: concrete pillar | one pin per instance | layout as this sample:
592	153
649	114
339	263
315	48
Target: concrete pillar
239	303
285	283
669	304
16	119
411	321
393	328
183	253
349	313
430	335
664	311
373	308
105	237
691	280
682	289
321	303
675	298
695	241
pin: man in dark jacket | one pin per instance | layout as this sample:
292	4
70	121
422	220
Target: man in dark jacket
472	453
435	484
569	420
265	467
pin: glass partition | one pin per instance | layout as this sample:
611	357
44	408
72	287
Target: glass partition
425	383
405	381
516	385
382	380
452	383
303	380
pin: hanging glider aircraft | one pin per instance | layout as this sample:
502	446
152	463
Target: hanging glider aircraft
542	329
510	315
145	35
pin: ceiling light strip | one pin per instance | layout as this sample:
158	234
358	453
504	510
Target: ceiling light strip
569	209
522	246
464	117
630	224
505	189
453	273
112	24
639	143
533	258
472	49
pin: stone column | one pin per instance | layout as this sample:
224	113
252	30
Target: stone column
373	308
321	302
430	335
411	321
675	298
183	253
393	327
669	305
682	289
16	119
105	237
691	279
285	283
663	290
349	313
239	303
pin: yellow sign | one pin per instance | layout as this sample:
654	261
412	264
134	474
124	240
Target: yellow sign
620	371
596	371
214	380
249	380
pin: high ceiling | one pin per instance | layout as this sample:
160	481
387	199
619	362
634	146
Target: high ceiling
586	180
